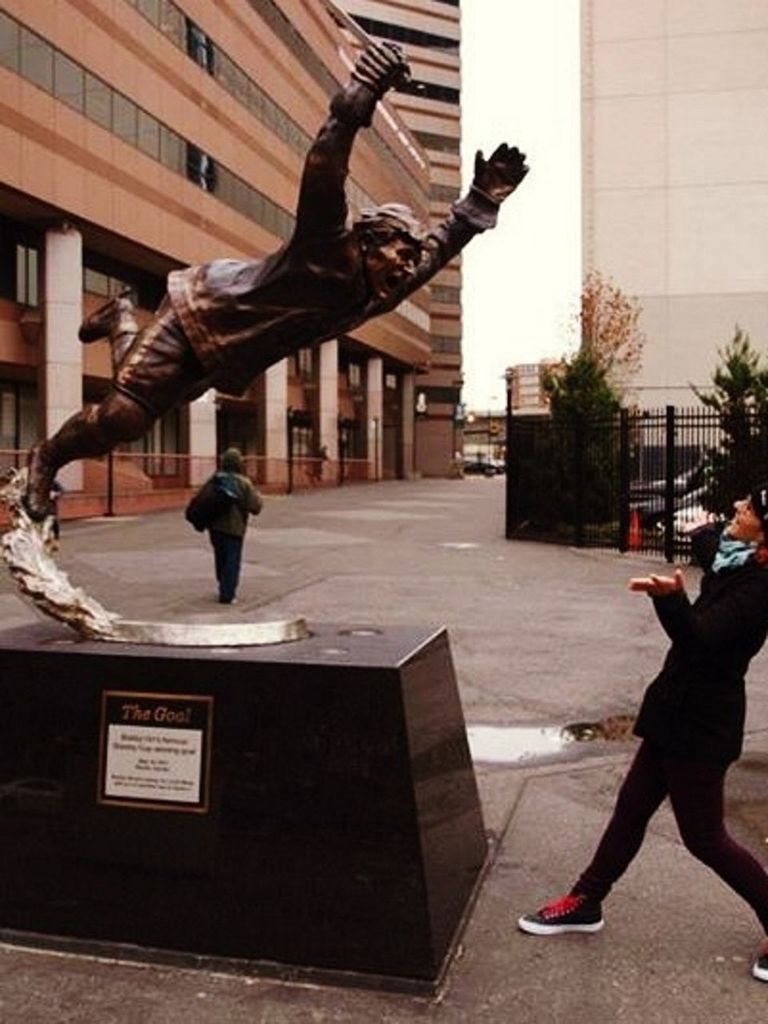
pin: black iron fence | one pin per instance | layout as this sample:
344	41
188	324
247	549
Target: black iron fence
630	481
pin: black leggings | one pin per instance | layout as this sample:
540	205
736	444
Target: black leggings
695	790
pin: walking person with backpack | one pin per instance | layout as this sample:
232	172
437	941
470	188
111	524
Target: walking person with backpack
222	506
691	723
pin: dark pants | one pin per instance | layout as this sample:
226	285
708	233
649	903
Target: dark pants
695	790
227	553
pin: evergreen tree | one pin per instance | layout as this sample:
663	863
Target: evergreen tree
579	386
583	404
740	398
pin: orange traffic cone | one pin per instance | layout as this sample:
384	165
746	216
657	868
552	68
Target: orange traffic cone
634	534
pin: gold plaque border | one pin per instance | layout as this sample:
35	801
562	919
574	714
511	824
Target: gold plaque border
155	805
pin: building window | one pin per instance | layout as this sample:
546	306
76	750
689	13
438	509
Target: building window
441	396
150	9
401	34
125	119
9	43
148	135
246	200
161	446
102	284
98	102
172	22
439	143
106	278
199	47
354	376
8	424
443	193
27	268
303	442
68	82
201	168
18	418
444	293
304	364
173	151
446	344
431	90
36	63
165	16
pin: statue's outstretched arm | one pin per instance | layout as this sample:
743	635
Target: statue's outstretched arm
494	180
322	202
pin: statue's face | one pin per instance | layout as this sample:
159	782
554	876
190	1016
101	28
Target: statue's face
391	257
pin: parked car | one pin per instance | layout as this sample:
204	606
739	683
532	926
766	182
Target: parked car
684	517
478	466
648	497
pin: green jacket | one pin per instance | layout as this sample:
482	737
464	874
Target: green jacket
235	519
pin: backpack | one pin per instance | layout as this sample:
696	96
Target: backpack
215	496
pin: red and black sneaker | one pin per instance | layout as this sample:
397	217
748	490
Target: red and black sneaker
571	913
760	966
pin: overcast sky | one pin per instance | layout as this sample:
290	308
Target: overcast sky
520	84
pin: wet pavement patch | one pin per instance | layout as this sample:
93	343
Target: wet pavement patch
498	744
747	801
525	744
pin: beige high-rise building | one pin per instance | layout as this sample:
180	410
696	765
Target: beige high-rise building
525	384
429	32
675	165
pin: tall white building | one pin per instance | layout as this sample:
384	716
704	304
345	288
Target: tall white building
675	175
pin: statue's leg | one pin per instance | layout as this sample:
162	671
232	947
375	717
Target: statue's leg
115	319
121	342
93	431
115	315
160	372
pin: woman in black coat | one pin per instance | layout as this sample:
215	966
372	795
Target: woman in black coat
691	723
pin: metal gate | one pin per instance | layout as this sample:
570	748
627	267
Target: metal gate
630	481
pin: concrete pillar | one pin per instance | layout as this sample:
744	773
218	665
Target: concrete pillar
275	423
202	437
329	402
374	382
408	426
61	368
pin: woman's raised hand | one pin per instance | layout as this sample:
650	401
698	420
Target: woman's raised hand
658	586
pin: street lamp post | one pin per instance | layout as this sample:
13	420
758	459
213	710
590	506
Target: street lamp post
420	413
375	425
494	398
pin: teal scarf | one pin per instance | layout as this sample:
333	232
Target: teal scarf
731	554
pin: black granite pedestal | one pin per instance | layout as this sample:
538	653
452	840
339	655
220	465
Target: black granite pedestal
310	805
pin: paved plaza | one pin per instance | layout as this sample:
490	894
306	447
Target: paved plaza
542	637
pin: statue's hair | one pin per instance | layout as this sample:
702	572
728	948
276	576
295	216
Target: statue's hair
396	215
